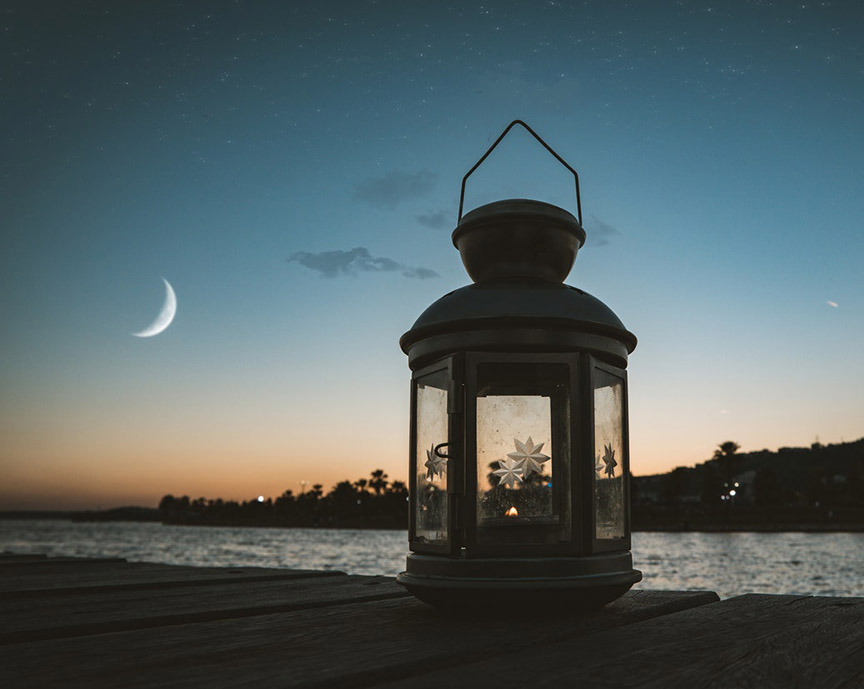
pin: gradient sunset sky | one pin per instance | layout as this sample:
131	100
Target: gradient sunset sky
293	170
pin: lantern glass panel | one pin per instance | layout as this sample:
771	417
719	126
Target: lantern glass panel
521	477
609	464
431	468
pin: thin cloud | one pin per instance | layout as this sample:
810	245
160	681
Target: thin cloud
600	233
331	264
420	273
389	190
833	304
437	220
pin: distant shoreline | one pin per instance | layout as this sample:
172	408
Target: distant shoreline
92	516
756	528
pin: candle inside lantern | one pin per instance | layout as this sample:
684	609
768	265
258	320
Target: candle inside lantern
512	512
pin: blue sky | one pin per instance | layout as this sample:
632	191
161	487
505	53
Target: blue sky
719	147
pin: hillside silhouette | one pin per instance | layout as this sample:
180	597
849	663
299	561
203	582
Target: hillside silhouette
820	487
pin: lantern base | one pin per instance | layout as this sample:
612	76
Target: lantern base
536	585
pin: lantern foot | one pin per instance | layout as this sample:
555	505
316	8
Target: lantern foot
533	586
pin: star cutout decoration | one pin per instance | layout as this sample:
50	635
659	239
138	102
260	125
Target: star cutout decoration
599	466
529	455
609	460
510	472
435	465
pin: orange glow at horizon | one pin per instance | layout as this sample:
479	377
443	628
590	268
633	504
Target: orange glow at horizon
86	476
64	455
60	466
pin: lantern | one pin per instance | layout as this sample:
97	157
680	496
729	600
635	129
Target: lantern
519	467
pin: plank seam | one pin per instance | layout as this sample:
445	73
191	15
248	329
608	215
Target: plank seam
93	629
145	585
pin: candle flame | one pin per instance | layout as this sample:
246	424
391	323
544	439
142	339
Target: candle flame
512	512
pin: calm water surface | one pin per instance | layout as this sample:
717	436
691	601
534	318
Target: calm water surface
730	564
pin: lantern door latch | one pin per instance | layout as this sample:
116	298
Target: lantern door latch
441	450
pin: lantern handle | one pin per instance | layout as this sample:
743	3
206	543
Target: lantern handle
437	450
545	145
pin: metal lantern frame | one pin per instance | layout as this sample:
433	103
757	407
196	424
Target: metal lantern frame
460	372
519	331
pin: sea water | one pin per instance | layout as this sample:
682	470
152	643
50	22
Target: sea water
729	563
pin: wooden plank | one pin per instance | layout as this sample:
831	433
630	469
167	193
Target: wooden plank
40	562
336	646
757	641
6	557
37	579
53	617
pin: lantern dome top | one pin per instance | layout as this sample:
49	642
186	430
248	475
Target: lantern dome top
518	252
516	314
518	238
533	303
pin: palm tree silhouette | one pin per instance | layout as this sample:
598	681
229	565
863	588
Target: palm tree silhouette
378	482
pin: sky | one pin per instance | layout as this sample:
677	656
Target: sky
293	170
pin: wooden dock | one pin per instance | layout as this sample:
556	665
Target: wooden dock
67	622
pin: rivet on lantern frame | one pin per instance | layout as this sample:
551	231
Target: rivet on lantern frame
522	380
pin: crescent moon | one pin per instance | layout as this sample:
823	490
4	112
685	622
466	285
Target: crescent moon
166	315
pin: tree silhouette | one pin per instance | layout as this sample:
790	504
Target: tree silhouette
378	482
725	454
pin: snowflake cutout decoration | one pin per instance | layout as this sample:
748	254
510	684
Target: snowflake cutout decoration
530	457
435	465
510	472
609	461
